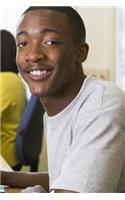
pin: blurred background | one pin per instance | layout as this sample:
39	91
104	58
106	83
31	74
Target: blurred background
105	27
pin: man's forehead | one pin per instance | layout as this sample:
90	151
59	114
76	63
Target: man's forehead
44	17
47	13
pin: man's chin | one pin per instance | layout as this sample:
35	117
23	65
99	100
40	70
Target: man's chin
38	93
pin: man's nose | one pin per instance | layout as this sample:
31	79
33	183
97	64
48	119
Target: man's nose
35	54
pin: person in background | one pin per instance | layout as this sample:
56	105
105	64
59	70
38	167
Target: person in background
12	99
84	119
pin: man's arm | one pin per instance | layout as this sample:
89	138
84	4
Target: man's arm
64	191
25	179
28	179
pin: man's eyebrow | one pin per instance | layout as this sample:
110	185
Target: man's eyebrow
51	30
21	33
43	31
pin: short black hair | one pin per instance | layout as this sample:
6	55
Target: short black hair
75	19
8	52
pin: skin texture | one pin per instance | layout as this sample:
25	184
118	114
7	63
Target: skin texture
45	42
45	45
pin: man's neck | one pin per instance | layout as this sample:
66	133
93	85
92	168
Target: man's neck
56	103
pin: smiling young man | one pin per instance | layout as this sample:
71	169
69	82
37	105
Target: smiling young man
84	120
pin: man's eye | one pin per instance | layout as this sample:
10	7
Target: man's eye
21	44
52	42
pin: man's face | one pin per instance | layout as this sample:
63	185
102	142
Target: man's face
46	52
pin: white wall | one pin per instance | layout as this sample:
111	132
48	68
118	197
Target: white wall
10	18
101	37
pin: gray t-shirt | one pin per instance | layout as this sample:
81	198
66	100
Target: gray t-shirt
86	141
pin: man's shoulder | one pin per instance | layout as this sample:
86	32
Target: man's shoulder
101	97
100	92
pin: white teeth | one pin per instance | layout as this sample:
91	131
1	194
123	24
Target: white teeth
38	72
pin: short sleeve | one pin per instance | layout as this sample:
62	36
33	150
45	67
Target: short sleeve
95	158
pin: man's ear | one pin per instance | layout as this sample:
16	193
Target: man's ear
82	52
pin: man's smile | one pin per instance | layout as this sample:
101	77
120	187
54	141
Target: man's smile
39	74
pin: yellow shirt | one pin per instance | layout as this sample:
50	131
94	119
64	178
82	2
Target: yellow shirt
12	104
